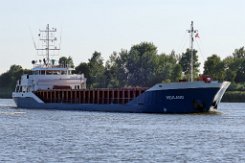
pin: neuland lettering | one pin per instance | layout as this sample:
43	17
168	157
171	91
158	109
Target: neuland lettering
175	97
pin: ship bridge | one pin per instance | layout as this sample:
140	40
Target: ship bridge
48	78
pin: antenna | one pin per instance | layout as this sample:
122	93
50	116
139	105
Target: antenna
61	30
47	37
33	41
191	31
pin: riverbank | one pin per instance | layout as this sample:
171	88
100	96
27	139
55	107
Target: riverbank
5	93
234	96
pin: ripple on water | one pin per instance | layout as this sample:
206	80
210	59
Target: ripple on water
71	136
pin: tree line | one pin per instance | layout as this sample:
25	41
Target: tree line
143	66
232	68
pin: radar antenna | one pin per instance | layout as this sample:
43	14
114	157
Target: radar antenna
48	39
191	31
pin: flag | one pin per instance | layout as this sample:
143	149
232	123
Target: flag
197	35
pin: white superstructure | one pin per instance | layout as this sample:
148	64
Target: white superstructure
47	75
50	78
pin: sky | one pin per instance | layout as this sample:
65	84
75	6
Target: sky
105	26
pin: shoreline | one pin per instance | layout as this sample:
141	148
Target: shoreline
234	96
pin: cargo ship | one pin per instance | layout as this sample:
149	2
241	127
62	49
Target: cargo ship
54	87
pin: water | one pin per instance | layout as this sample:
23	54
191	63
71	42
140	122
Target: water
72	136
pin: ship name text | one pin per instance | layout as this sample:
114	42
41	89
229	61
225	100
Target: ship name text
175	97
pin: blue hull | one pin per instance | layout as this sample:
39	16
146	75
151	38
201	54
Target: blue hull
191	100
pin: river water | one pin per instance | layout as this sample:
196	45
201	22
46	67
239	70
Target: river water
73	136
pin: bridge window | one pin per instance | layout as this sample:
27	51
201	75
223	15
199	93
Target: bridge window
20	89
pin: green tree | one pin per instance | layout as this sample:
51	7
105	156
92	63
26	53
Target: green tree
239	53
111	71
66	61
230	75
83	68
164	68
9	78
185	62
234	66
119	63
141	63
239	63
240	77
5	79
15	72
214	67
96	71
176	73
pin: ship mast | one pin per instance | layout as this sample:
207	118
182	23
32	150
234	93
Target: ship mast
191	31
47	37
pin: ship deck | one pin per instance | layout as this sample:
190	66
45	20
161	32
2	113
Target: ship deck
90	96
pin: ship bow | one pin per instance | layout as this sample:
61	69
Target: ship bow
220	93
